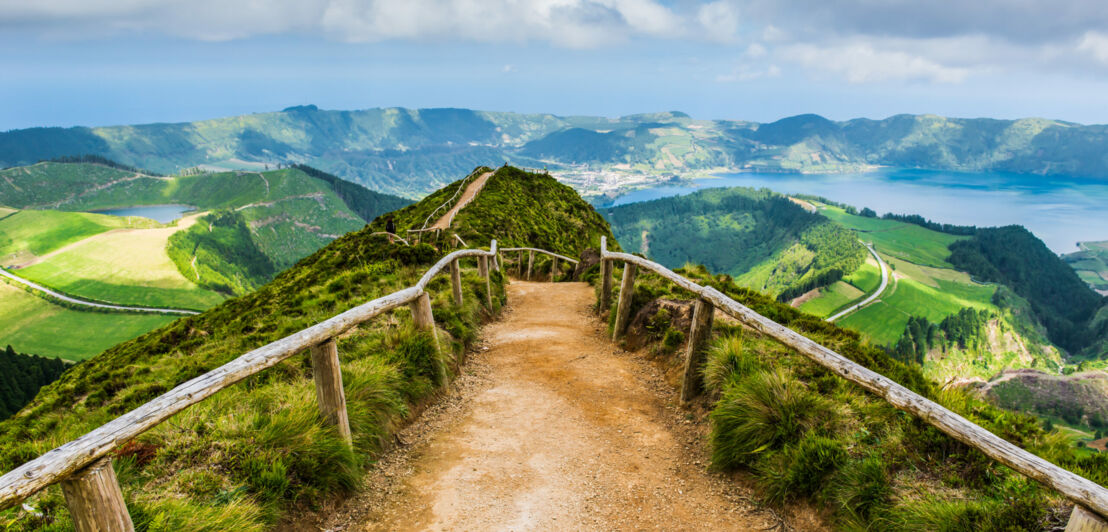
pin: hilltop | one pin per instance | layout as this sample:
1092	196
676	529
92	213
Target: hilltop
243	458
411	152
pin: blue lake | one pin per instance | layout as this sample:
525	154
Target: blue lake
160	213
1060	211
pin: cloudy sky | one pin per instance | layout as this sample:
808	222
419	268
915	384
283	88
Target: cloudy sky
101	62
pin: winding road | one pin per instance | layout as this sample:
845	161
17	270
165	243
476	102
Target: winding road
880	289
68	299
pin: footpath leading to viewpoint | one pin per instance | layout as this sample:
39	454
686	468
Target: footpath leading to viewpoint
551	427
468	194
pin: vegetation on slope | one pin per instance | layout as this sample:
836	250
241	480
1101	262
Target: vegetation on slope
1091	264
497	213
766	241
1059	298
802	432
21	376
220	255
27	234
242	458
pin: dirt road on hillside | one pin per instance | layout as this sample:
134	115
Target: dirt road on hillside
468	194
551	427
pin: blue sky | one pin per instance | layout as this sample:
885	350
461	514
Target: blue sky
101	62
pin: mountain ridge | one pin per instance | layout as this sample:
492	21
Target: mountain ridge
411	152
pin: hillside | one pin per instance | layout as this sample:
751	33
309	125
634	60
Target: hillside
767	242
411	152
21	376
250	227
246	457
1091	264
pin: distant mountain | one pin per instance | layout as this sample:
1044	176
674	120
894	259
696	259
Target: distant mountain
411	152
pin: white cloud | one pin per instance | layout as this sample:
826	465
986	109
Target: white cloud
863	63
1095	44
719	20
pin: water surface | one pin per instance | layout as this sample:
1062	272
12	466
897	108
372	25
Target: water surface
159	213
1061	211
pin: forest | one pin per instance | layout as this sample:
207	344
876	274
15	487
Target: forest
966	330
1013	256
21	376
782	248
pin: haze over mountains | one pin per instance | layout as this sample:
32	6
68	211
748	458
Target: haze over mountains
411	152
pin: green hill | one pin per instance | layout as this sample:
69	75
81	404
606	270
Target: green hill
411	152
1091	264
21	376
249	455
763	239
260	223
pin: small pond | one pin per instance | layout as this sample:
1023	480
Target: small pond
159	213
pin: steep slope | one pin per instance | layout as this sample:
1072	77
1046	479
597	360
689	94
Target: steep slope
411	152
765	241
1091	264
245	457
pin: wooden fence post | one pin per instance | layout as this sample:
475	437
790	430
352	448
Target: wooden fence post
456	281
328	387
422	317
605	286
95	501
699	334
530	263
1082	520
553	268
483	269
623	309
521	264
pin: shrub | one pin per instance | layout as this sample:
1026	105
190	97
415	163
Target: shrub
800	469
765	411
728	358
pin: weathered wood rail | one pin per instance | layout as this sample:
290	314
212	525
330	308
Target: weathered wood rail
1084	492
531	261
83	466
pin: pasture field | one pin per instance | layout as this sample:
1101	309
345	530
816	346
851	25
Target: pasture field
124	267
930	297
26	235
34	325
901	240
851	288
832	298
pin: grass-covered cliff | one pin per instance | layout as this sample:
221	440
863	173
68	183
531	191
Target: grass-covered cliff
243	458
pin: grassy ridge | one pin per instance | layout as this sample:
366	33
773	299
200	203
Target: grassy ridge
901	240
804	433
218	253
764	240
243	458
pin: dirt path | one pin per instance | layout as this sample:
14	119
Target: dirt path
470	192
552	428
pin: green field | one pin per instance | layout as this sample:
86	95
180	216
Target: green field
25	235
1091	263
123	267
853	287
33	325
898	239
926	293
832	298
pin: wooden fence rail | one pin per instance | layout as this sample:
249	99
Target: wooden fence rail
1079	489
83	465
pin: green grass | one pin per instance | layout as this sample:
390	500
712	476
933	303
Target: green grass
33	325
832	298
866	278
45	184
129	268
902	240
883	321
27	234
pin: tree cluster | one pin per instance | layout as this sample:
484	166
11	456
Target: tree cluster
21	376
966	330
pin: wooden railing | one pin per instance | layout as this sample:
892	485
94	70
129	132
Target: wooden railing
1081	490
531	261
83	466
